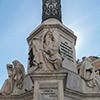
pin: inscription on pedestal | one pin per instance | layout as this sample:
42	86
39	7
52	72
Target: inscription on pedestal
48	91
66	49
67	52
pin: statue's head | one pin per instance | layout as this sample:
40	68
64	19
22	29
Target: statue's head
10	69
15	62
9	66
48	35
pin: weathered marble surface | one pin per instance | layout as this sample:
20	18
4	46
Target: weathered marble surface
14	83
74	82
48	86
62	41
89	79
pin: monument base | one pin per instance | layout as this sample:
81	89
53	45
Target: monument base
49	86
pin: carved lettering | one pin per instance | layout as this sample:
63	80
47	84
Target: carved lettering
66	49
48	91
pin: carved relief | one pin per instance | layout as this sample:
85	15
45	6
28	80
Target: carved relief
36	57
36	44
51	52
46	52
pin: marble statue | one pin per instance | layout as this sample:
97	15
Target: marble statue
7	87
87	72
51	52
18	73
15	79
85	65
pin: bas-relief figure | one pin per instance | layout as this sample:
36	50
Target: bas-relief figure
15	78
35	54
46	52
87	73
38	59
51	52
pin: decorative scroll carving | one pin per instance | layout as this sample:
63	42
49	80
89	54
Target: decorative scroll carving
51	9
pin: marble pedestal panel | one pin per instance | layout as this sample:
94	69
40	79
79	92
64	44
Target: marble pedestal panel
49	86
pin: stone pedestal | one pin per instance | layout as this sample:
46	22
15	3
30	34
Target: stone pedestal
49	86
64	37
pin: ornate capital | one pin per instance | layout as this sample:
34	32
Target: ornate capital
51	9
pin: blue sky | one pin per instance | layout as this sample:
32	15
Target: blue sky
19	17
